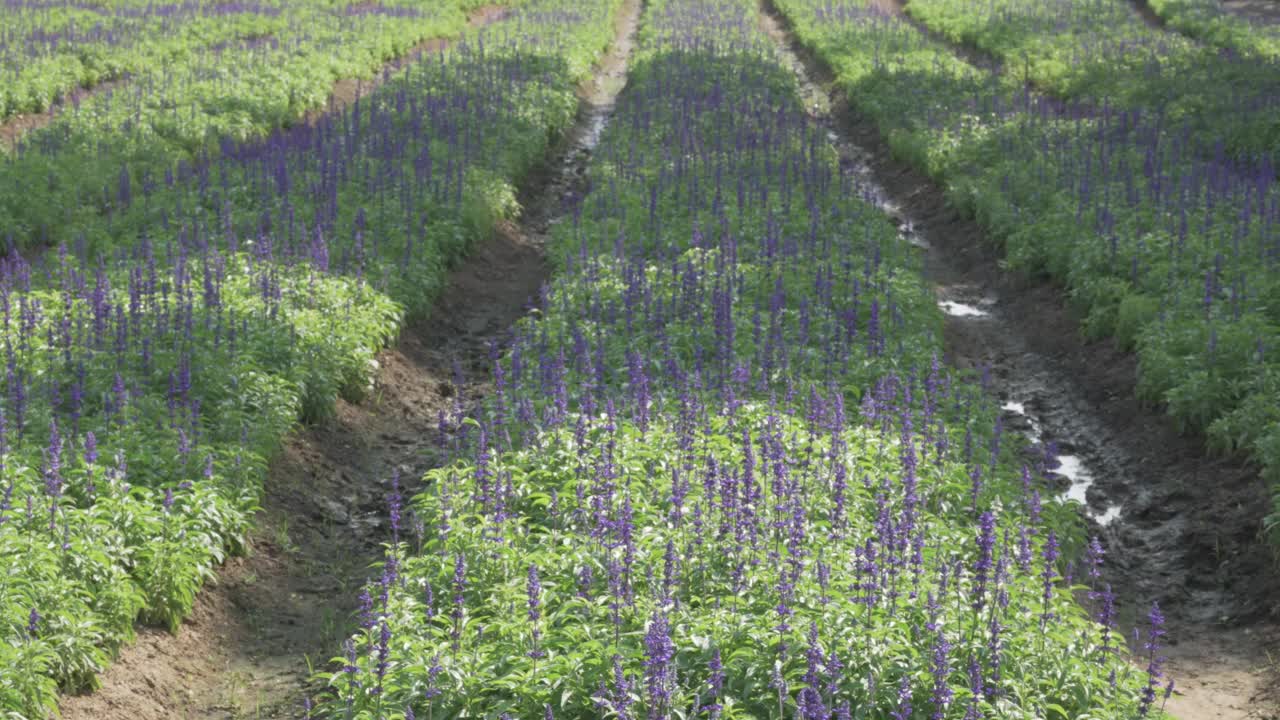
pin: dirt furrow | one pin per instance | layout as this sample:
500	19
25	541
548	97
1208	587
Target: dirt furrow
1181	528
246	649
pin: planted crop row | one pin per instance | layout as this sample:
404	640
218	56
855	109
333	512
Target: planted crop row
722	474
1097	51
51	48
269	66
147	383
1175	255
1209	21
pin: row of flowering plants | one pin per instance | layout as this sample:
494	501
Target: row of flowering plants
722	474
201	72
1172	249
1096	50
1210	22
152	371
52	49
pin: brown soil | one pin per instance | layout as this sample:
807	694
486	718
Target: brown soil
13	128
246	649
1189	533
892	7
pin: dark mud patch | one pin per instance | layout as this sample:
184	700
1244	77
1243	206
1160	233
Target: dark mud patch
13	128
272	616
348	90
1188	529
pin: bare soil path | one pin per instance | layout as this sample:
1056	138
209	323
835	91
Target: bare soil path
245	651
1180	527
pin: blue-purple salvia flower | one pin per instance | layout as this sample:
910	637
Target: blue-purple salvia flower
659	653
941	669
1155	661
533	590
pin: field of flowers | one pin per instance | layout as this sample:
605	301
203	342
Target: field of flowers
1092	51
190	76
721	469
49	50
722	473
1208	21
153	366
1165	241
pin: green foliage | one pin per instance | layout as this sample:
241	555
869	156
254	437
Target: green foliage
673	512
1102	51
1188	279
1209	21
317	43
265	333
713	606
205	77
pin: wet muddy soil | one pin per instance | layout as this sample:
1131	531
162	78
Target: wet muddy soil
1181	527
283	609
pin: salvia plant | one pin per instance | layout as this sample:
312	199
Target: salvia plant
723	474
153	364
1099	50
138	87
52	51
1164	238
1212	23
